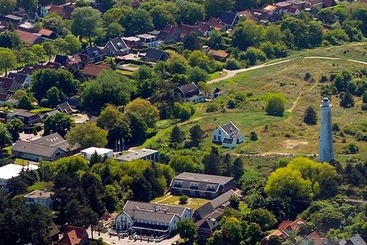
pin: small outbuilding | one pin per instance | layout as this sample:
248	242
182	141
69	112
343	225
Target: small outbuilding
102	152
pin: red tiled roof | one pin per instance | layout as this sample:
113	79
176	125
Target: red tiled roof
215	23
170	29
203	27
284	224
187	29
27	37
247	14
72	236
218	53
91	70
316	238
45	32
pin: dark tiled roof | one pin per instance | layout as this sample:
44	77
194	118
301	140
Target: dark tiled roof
186	30
5	84
19	77
94	70
230	128
189	89
222	199
154	55
93	51
153	212
218	53
61	59
228	17
64	107
203	178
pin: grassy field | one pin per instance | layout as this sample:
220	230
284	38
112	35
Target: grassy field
168	199
287	135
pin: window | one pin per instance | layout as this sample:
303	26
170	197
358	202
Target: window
219	132
215	137
194	185
219	138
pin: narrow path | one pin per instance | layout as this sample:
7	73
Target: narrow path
295	102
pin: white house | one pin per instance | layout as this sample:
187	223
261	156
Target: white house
228	135
40	197
149	40
10	171
150	219
102	152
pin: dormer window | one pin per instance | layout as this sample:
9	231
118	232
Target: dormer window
194	185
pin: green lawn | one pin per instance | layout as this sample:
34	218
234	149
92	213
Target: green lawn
41	110
21	162
217	74
41	186
168	199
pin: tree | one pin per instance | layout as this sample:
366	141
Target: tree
145	109
15	126
238	169
275	105
232	231
25	103
73	44
44	79
109	116
9	39
196	75
161	16
28	5
7	60
85	23
310	116
189	12
212	162
246	34
187	230
263	217
52	98
138	128
196	135
214	8
109	87
275	240
114	29
59	123
215	40
199	58
87	135
7	6
346	100
176	135
139	21
5	137
192	41
181	163
253	136
183	199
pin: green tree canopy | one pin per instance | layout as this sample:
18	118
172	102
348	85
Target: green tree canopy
187	230
7	60
5	136
310	116
145	109
58	123
275	104
85	22
87	135
108	88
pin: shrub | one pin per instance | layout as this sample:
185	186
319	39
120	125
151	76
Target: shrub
183	199
275	105
212	107
364	107
232	64
231	104
351	148
307	76
253	136
310	116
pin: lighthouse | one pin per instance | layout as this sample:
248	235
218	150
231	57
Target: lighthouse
326	148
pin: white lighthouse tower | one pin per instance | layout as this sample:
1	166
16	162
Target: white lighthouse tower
326	147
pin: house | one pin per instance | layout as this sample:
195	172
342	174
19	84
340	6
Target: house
92	71
73	236
203	28
142	154
329	3
229	19
190	92
354	240
150	219
216	24
95	54
298	4
64	10
20	78
102	152
28	37
219	202
11	171
217	93
219	55
170	34
314	4
186	30
65	108
155	55
13	19
207	226
28	118
313	238
273	12
9	85
201	185
77	62
228	135
46	148
47	34
149	41
293	11
116	47
132	42
284	229
40	197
